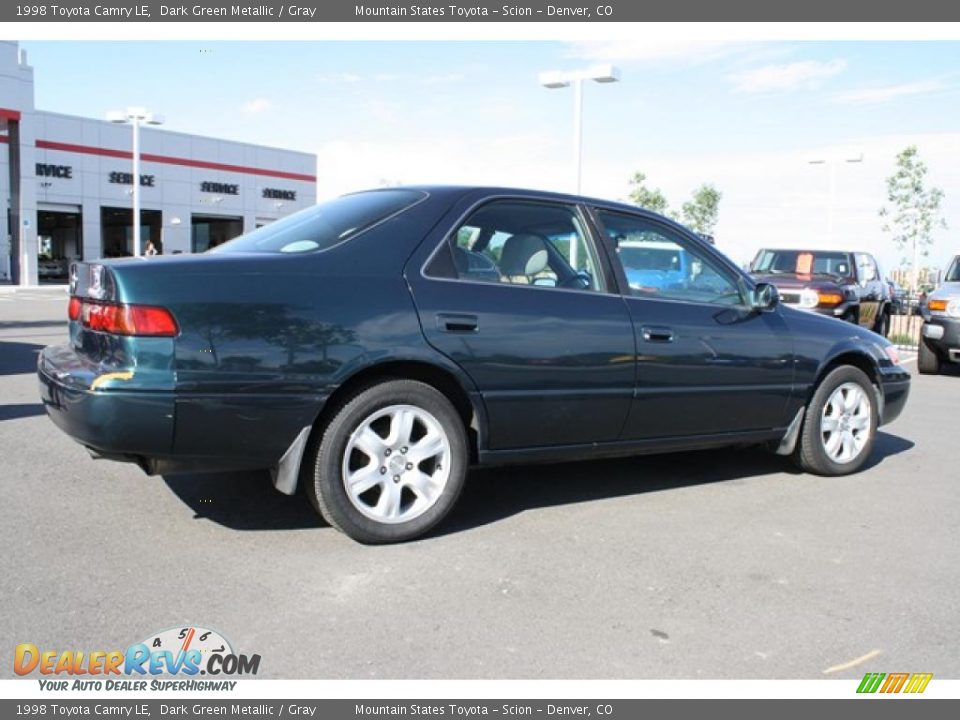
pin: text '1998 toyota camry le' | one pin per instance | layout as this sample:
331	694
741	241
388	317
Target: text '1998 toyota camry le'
375	346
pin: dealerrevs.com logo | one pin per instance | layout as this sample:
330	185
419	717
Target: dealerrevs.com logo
185	652
888	683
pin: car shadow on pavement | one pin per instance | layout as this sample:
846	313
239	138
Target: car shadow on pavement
31	324
950	369
492	494
243	501
15	412
248	501
18	358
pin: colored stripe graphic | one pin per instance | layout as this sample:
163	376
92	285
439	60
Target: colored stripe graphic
170	160
918	682
894	682
870	682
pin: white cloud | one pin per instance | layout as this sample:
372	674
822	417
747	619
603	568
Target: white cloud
646	49
256	106
778	199
338	77
878	94
790	76
445	78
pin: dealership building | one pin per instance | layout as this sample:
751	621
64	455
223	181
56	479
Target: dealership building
67	185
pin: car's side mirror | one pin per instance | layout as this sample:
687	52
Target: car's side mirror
765	297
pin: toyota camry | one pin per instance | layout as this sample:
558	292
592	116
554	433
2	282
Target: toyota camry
372	348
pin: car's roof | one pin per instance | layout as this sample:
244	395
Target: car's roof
812	250
494	190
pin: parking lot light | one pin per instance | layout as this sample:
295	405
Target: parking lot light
556	79
135	116
832	163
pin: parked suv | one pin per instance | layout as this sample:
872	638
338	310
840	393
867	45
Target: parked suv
941	323
844	285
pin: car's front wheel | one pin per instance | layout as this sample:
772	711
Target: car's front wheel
840	425
882	326
928	361
391	463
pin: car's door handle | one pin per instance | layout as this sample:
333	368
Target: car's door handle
654	333
458	323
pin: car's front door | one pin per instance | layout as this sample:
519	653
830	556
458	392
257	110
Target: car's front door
517	295
872	290
707	364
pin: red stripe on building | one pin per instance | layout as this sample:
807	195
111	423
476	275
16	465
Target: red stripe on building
169	160
4	139
6	114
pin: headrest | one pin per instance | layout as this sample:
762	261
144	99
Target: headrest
524	254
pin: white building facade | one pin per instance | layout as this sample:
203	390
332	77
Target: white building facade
67	185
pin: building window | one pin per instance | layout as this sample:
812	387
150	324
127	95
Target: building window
116	231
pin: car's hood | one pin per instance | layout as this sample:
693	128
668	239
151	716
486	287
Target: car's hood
793	281
824	326
947	290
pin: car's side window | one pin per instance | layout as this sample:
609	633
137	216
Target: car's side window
659	263
522	243
868	271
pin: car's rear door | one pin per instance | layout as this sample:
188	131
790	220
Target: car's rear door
551	351
706	363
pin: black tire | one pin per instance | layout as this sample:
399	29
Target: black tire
928	360
882	326
326	487
811	454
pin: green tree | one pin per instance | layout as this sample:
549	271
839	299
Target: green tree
643	196
913	209
702	211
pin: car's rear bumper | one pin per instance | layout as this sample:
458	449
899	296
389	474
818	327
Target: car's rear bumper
123	415
123	424
943	335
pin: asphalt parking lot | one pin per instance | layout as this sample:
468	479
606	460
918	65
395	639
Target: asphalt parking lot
703	565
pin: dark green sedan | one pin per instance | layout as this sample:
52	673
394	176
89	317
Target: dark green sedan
373	347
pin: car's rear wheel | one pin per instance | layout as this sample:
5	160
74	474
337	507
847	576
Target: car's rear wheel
928	361
841	424
391	463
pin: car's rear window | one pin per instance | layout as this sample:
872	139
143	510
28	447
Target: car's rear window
324	225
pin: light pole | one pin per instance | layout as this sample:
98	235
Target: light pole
135	116
555	79
831	164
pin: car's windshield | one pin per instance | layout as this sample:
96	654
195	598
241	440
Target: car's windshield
803	262
953	274
324	225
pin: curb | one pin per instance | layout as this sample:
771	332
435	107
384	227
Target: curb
28	289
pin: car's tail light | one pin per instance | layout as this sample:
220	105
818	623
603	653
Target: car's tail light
119	319
893	354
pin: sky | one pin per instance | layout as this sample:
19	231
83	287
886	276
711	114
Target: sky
747	117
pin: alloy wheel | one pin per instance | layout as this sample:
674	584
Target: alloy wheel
396	464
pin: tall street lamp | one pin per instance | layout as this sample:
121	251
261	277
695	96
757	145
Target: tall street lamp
556	79
832	164
135	116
